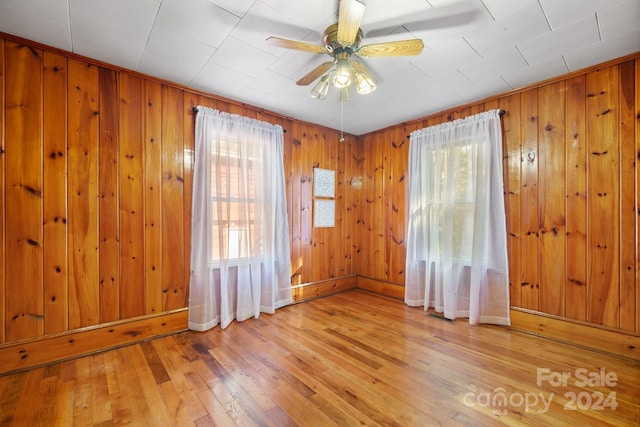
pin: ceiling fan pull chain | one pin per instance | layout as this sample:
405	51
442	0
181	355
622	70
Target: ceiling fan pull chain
342	121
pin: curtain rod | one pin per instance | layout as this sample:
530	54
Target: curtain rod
501	113
195	110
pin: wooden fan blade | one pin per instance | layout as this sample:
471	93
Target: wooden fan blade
359	66
315	73
398	48
295	45
349	18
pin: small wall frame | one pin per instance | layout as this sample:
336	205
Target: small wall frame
324	183
324	213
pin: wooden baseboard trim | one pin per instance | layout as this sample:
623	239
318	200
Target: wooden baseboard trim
392	290
27	354
309	291
579	334
563	330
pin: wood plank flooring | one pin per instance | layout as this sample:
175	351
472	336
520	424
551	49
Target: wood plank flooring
353	358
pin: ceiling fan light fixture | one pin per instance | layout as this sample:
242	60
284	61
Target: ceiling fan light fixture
343	74
321	89
364	83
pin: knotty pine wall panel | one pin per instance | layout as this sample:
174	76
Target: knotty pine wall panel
512	181
358	195
55	276
293	171
376	229
576	203
603	197
366	252
628	212
309	160
306	144
153	197
23	191
82	190
131	185
395	177
348	177
572	186
108	197
552	195
530	281
173	263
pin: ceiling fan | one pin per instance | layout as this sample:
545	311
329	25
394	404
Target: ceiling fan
341	41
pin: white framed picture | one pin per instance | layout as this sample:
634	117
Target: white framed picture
324	183
324	213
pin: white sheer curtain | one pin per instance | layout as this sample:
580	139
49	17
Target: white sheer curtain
240	264
456	233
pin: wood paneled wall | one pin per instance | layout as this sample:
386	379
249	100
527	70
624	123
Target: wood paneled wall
320	253
78	208
96	178
571	149
95	193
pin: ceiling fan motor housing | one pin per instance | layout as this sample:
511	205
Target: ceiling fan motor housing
330	40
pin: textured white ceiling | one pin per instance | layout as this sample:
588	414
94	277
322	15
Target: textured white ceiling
473	48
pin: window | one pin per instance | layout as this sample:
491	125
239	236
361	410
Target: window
240	260
452	201
456	231
234	204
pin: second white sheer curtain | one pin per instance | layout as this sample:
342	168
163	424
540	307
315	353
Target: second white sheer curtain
240	263
456	231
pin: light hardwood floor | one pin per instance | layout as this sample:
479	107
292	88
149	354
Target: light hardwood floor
353	358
